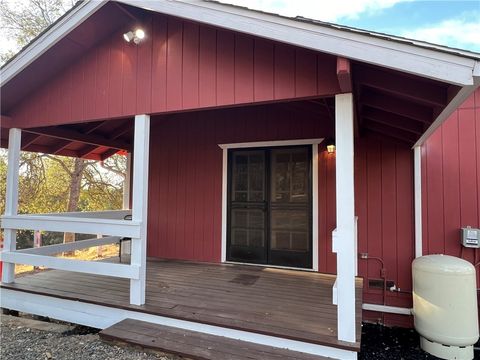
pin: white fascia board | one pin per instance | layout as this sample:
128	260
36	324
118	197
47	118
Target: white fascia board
57	32
429	63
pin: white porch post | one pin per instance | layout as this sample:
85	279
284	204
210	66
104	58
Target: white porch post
11	205
345	232
126	183
417	174
139	208
126	245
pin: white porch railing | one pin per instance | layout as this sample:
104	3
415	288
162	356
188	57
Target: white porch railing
110	223
104	222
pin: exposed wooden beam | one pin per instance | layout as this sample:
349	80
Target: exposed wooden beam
119	131
389	131
72	135
86	130
91	127
397	106
406	87
344	74
61	145
108	153
28	139
394	120
87	150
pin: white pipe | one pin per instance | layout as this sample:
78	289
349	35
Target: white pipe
387	309
417	174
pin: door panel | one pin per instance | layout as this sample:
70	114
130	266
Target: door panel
290	207
290	175
247	215
269	207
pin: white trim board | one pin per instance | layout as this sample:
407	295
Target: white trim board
417	181
315	193
82	266
125	228
419	58
101	317
270	143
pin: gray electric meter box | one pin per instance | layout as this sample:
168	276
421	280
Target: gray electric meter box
471	237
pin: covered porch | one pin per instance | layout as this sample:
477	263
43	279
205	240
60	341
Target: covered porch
292	306
300	310
181	105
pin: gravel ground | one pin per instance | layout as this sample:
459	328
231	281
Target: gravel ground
379	343
22	341
23	338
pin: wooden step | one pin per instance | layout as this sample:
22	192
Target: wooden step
194	345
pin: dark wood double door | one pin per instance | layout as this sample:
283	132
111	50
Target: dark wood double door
269	206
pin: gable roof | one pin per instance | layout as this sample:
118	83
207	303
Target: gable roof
415	57
433	62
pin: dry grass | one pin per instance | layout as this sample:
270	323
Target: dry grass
95	253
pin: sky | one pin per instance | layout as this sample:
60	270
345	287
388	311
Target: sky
453	23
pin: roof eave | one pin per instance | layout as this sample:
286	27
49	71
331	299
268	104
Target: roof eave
464	93
49	38
441	65
449	67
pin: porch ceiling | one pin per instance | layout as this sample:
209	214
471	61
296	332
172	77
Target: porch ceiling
95	140
397	105
101	139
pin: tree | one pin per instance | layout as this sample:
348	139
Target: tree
45	185
54	183
21	21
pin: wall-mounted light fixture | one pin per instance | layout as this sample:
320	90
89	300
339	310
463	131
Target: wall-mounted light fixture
330	145
137	36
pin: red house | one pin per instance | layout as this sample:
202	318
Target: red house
230	115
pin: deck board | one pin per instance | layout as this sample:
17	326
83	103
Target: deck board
278	302
195	345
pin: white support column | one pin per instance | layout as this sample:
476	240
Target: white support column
11	205
126	183
126	245
140	202
345	232
417	174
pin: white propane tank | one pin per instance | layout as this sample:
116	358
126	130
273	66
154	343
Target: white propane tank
445	305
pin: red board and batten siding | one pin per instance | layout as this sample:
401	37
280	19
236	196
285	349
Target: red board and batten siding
451	182
186	189
180	66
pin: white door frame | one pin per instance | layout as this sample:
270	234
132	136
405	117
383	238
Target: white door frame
314	143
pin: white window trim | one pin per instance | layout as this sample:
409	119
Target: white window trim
314	143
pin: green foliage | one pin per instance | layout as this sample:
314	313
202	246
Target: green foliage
45	181
22	20
44	186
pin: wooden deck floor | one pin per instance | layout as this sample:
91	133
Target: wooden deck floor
285	303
